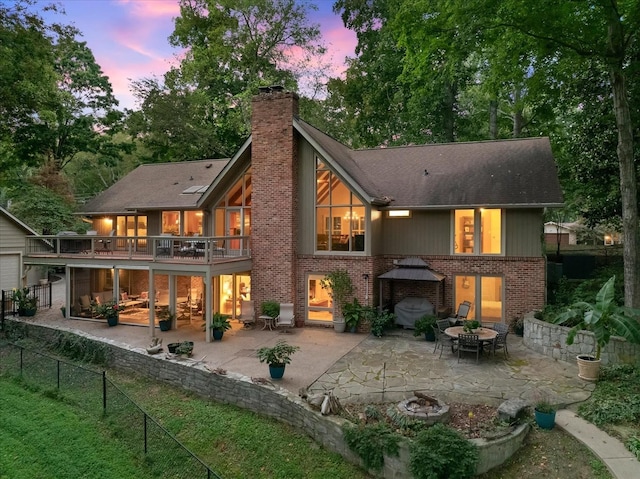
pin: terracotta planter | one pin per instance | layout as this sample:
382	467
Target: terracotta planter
588	367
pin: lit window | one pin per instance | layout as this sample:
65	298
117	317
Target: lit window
340	215
471	239
399	213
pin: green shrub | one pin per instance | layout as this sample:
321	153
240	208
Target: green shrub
616	399
381	321
440	452
633	444
371	442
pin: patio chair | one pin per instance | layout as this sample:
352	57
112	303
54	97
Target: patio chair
442	340
469	343
285	318
461	314
247	313
500	341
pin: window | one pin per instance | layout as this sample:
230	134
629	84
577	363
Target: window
232	215
171	222
340	215
478	231
485	294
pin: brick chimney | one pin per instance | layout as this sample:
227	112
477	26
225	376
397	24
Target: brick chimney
274	197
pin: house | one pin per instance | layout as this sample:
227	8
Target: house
294	204
13	233
560	233
578	233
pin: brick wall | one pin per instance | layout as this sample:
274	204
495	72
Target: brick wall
524	279
274	197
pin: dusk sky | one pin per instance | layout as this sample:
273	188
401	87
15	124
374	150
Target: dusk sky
129	37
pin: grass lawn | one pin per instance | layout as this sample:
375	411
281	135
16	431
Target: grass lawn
45	437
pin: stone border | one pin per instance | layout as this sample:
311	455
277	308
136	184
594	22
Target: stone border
264	398
551	340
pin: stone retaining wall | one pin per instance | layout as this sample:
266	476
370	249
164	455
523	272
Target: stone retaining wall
551	340
265	399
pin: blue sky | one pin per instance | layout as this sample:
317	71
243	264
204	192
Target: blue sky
129	37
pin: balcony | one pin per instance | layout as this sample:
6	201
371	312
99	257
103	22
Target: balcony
160	249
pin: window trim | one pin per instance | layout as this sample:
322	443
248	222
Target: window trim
477	214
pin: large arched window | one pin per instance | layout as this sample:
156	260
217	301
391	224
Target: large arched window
340	215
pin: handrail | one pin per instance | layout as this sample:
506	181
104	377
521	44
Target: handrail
150	248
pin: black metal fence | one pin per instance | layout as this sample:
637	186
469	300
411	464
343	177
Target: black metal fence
42	293
93	391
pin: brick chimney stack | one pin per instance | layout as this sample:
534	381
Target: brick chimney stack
274	201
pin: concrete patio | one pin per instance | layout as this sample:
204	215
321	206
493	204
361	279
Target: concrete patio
360	367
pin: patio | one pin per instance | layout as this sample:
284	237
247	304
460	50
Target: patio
359	367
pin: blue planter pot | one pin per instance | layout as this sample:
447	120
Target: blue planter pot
276	372
545	420
112	321
217	334
430	336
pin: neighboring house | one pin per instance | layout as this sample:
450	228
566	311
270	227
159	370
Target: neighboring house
577	233
13	233
560	233
294	204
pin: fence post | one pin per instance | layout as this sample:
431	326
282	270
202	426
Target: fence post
104	391
50	294
145	432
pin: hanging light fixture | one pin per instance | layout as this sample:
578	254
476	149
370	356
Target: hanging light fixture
465	283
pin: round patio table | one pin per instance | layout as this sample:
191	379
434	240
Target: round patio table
485	335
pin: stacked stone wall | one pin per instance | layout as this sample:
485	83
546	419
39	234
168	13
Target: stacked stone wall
265	399
551	340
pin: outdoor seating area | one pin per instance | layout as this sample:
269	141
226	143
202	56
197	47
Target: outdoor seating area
477	341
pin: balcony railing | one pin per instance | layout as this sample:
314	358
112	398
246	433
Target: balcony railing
202	249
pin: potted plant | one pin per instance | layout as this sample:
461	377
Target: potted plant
219	324
185	348
425	325
270	308
339	287
545	414
517	324
63	310
470	326
381	320
26	303
604	318
277	357
352	313
165	320
109	310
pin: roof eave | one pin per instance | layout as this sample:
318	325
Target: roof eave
467	206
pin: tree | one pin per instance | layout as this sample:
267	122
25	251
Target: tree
583	33
232	48
27	74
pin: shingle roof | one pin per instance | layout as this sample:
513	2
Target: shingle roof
519	172
157	186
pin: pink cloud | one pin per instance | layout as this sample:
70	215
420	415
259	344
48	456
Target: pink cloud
155	8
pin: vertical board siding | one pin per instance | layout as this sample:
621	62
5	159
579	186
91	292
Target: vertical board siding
306	179
524	232
426	232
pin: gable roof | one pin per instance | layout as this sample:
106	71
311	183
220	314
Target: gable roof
515	173
158	186
20	224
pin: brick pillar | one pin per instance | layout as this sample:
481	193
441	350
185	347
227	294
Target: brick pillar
274	197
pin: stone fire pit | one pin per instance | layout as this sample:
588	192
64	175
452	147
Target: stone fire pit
429	410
